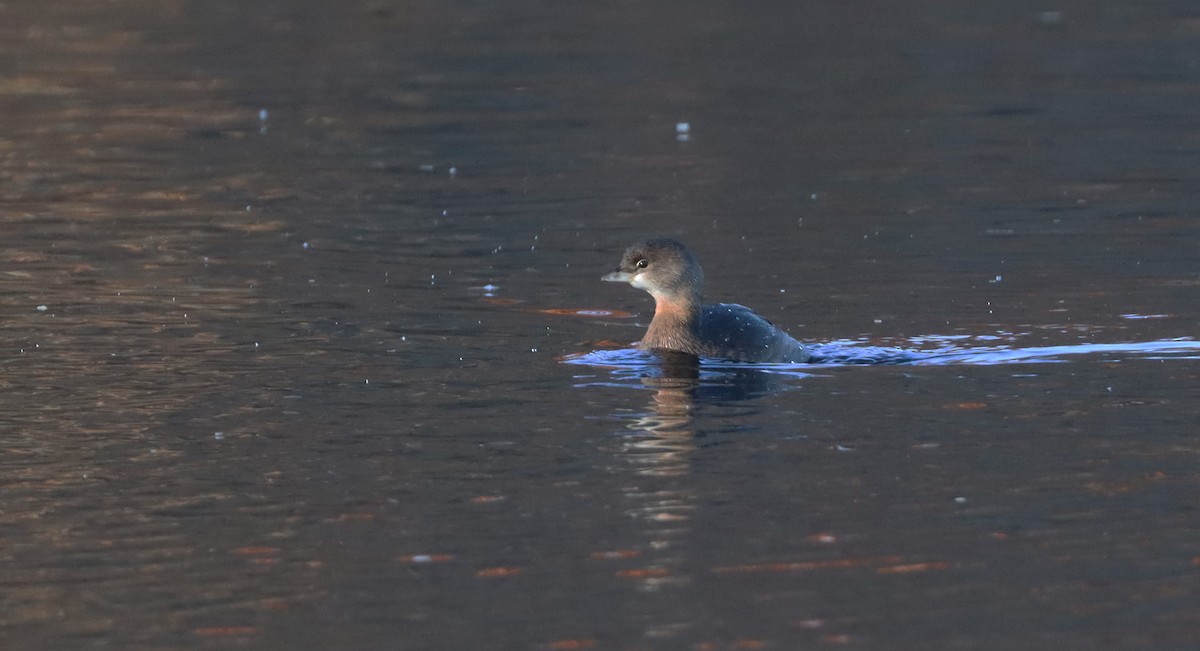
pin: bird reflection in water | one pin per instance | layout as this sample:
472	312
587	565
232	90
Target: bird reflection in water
666	443
659	448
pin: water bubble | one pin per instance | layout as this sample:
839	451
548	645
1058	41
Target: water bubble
1051	17
683	131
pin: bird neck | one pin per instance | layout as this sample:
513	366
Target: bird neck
675	324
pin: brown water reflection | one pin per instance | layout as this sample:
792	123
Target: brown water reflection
285	287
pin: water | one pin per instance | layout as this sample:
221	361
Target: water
844	353
290	288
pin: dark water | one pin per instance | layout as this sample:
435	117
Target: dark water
289	291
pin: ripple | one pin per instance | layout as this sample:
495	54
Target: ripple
849	353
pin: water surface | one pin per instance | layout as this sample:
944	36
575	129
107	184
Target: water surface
289	287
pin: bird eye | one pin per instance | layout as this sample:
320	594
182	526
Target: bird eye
643	263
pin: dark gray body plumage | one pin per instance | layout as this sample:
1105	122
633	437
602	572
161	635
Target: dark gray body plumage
734	332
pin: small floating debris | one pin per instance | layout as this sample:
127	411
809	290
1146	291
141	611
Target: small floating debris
1051	17
499	572
425	558
566	311
683	131
42	308
488	289
1145	316
225	631
616	554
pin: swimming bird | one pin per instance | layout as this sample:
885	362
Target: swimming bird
670	273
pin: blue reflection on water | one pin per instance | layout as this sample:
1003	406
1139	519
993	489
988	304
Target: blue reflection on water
633	364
